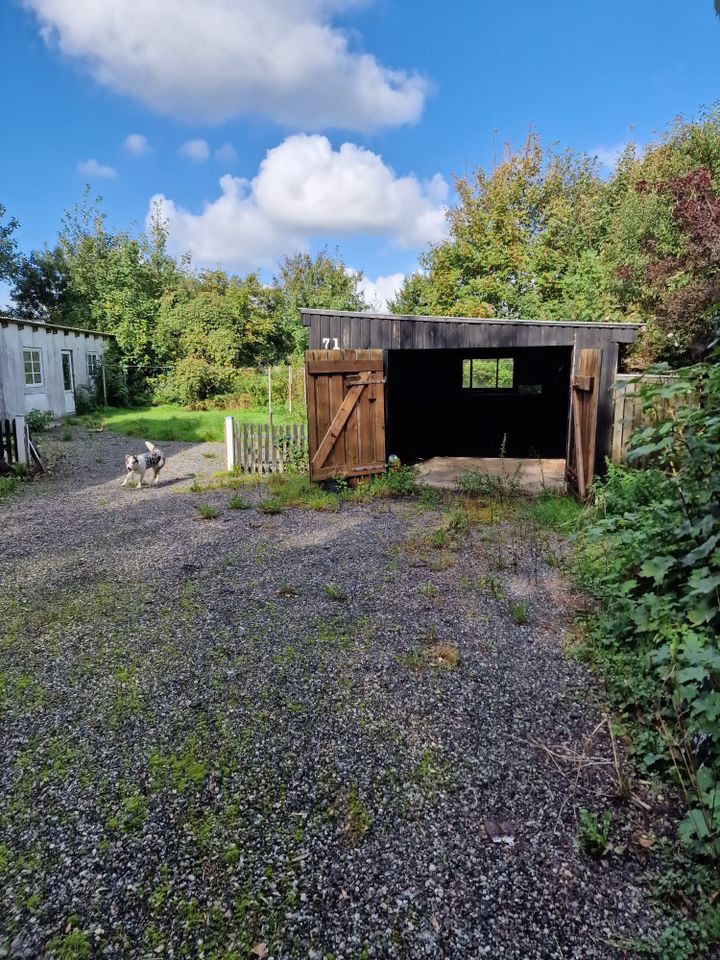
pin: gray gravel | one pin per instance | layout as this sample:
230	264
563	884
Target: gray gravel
203	751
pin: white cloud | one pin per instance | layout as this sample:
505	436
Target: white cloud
136	144
608	156
212	60
91	168
226	154
305	189
377	292
196	150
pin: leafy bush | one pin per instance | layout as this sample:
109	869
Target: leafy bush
116	382
193	379
85	401
38	421
651	553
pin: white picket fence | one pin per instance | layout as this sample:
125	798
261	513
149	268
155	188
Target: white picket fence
262	448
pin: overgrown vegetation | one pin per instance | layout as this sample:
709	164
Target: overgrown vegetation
649	553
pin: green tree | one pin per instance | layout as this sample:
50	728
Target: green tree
209	325
323	282
40	287
8	246
517	235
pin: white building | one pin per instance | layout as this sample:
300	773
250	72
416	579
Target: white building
42	364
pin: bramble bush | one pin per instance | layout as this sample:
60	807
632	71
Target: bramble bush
650	553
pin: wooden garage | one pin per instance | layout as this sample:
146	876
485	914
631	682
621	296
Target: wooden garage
422	387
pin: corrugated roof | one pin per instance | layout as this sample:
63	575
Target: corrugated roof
39	325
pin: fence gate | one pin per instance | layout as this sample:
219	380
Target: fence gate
584	392
346	412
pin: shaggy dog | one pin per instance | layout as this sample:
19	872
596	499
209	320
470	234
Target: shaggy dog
142	462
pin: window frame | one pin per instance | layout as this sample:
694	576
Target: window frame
40	367
485	389
92	373
71	370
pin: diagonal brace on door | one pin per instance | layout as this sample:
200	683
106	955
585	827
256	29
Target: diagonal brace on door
340	418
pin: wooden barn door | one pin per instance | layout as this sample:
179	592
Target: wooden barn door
584	393
346	412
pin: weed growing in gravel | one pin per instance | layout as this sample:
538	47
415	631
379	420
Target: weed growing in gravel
207	511
239	503
595	831
197	486
431	773
130	813
335	592
519	612
442	560
296	490
553	511
74	945
492	584
478	483
357	818
429	590
179	772
287	590
8	485
271	506
67	434
431	653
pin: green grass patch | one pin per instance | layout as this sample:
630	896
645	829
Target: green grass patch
239	503
8	486
554	511
169	421
207	511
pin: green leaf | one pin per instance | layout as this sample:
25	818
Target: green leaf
657	568
701	612
692	674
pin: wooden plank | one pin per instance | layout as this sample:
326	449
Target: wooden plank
345	339
583	383
324	472
336	455
364	338
579	445
617	428
406	334
344	366
338	422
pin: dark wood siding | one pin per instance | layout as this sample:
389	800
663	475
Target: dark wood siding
389	332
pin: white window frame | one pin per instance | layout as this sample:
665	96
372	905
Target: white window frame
92	373
31	351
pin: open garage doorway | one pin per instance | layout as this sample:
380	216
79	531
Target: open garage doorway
511	403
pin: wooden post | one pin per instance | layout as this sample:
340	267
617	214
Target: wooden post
102	367
230	442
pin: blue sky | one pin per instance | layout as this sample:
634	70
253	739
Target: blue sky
415	91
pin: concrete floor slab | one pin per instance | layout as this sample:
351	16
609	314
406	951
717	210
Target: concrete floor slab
532	475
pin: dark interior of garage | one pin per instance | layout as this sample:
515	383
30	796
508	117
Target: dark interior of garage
478	403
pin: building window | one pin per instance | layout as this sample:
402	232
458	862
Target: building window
67	371
33	368
93	365
497	373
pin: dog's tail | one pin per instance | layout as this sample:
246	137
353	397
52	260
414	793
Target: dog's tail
151	447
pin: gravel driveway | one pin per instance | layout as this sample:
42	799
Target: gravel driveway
289	735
